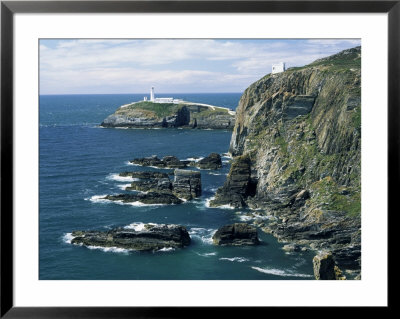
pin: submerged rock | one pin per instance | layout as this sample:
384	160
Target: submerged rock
150	237
212	161
237	234
187	184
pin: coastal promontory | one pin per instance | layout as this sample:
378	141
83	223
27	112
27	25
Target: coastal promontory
149	114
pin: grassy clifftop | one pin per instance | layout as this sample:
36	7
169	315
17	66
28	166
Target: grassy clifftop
186	114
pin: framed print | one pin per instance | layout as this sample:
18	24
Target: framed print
163	155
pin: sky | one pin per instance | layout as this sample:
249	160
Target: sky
119	66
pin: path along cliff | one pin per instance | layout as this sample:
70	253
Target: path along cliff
296	145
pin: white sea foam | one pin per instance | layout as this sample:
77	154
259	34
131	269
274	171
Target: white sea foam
204	234
101	199
140	204
138	226
166	249
110	249
237	259
98	199
67	238
245	218
254	216
192	159
207	254
216	174
280	272
132	164
123	186
208	200
116	177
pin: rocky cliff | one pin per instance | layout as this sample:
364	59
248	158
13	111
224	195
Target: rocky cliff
297	155
147	114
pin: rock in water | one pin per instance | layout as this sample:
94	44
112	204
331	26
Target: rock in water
173	162
147	198
237	234
187	184
167	162
324	266
150	237
238	185
212	161
149	161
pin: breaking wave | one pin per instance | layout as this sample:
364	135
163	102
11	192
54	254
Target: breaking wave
280	272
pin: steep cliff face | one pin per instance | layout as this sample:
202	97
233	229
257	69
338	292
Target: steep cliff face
301	130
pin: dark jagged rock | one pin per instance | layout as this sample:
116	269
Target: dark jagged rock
167	162
212	161
149	161
151	185
144	175
238	185
152	237
237	234
325	267
145	198
187	184
173	162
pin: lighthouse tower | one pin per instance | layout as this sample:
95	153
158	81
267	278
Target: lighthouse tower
152	94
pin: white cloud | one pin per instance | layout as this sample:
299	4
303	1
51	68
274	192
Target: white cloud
86	65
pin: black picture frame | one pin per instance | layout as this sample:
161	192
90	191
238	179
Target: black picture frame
9	8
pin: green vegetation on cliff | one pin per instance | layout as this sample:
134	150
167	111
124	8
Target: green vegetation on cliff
302	131
158	110
185	114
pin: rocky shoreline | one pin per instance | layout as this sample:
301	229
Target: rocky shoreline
296	148
296	158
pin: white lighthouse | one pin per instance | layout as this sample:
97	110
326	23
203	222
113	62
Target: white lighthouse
152	94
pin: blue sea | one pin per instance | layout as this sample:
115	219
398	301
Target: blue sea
80	162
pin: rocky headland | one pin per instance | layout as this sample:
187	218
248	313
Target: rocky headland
146	114
296	149
146	237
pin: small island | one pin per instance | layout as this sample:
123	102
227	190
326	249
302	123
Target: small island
170	113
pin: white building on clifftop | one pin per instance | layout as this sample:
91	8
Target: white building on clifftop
161	99
277	68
